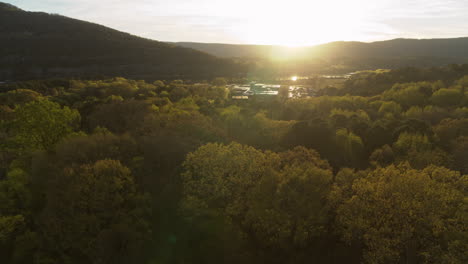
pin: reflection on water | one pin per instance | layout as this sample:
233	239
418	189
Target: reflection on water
297	78
295	86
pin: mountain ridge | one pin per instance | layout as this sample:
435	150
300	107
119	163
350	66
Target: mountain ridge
38	45
434	44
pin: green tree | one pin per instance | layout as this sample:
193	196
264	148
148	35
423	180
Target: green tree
390	108
450	129
350	149
19	96
288	212
419	151
404	215
409	94
94	214
460	154
9	225
16	216
383	156
412	142
447	97
120	116
178	93
87	149
220	82
430	114
217	177
41	124
277	201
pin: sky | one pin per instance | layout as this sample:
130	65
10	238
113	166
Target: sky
272	22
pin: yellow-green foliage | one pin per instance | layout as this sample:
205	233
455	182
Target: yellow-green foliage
41	124
447	97
279	197
402	214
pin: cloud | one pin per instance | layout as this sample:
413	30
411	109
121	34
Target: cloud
427	19
227	21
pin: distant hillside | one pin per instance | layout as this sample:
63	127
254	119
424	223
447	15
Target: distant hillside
230	50
388	54
442	48
38	45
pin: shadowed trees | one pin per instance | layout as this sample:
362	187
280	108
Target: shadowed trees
94	213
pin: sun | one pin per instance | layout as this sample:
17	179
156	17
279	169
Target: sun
294	78
303	22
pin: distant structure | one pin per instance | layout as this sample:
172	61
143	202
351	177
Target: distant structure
264	89
243	92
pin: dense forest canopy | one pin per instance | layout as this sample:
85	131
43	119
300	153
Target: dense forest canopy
168	164
129	171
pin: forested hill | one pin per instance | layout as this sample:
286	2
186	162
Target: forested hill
37	45
354	55
442	48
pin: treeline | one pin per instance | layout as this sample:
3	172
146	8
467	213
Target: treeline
125	171
342	57
372	83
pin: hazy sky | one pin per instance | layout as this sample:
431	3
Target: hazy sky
289	22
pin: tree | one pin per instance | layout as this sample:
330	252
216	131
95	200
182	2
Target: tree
277	201
430	114
412	142
350	150
9	225
120	117
460	154
217	177
41	124
391	108
409	94
87	149
315	134
19	96
404	215
287	211
447	97
383	156
178	93
94	214
449	129
419	151
219	82
16	216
